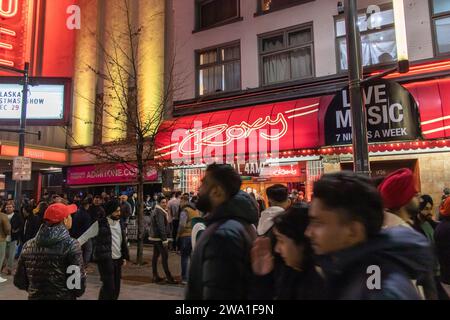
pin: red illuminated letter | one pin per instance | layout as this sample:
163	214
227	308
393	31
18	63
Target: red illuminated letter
13	7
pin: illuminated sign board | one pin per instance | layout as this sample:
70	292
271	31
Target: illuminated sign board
45	102
13	28
36	154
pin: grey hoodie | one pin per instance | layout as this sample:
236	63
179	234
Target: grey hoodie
266	220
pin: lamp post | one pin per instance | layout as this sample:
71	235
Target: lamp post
356	81
23	118
357	102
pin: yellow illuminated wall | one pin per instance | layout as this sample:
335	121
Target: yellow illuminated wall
116	67
84	80
103	37
151	58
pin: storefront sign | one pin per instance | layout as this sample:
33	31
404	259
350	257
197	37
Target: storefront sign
13	15
392	115
21	169
45	102
292	170
264	170
107	174
257	130
249	169
36	154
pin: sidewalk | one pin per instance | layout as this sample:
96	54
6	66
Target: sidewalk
136	281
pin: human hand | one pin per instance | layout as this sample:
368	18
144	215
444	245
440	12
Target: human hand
261	256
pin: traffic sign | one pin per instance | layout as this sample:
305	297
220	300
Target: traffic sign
21	169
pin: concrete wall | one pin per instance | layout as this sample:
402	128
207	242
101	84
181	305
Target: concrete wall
320	12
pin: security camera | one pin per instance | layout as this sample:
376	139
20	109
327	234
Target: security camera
340	7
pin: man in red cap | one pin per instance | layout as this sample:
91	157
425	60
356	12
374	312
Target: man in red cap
51	266
399	193
401	202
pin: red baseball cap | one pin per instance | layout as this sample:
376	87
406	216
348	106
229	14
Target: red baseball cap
58	212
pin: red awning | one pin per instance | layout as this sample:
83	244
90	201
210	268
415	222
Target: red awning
277	128
261	129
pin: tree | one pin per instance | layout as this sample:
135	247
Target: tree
125	129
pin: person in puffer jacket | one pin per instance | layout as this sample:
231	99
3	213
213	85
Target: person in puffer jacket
220	267
51	265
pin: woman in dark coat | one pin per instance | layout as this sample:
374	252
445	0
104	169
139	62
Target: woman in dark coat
159	236
298	279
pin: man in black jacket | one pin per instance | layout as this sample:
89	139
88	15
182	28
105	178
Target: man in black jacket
359	261
81	221
110	249
96	209
220	266
50	266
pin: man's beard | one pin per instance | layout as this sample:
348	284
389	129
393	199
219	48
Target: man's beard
115	218
204	203
413	210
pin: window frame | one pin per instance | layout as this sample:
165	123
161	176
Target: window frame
198	67
383	7
198	16
433	18
260	12
285	32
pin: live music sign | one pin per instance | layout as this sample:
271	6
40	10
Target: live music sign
13	31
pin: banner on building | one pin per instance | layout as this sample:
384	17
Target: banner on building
392	115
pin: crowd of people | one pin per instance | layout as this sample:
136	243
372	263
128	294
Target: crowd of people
358	238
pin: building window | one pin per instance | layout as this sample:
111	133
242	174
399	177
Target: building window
286	55
377	38
265	6
440	16
219	69
216	12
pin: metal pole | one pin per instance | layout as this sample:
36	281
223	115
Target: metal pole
23	120
357	102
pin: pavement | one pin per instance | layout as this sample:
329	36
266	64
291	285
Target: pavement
136	281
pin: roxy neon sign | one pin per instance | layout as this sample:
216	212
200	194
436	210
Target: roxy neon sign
206	136
8	9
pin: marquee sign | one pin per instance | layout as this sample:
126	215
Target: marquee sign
45	102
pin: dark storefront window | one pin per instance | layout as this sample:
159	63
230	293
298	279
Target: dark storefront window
219	69
286	55
440	16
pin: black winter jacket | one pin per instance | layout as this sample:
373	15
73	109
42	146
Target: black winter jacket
43	265
17	225
103	241
442	242
220	267
96	212
34	221
402	255
290	285
159	226
81	221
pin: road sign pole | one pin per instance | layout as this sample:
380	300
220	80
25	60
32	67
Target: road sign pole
23	120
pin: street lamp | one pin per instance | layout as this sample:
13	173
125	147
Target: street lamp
400	36
356	81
